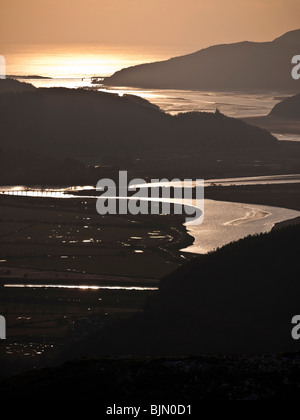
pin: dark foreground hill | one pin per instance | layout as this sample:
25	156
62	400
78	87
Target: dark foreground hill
241	66
82	123
240	299
14	86
148	381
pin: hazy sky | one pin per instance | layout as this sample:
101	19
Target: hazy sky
177	22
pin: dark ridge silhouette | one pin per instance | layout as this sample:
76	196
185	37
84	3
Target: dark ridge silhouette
240	66
14	86
291	37
240	299
82	123
289	108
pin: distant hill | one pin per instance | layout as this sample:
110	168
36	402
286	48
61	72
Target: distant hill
284	117
289	108
29	76
73	123
240	66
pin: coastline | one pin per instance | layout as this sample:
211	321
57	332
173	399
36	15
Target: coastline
285	196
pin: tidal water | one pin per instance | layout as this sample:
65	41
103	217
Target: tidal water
224	222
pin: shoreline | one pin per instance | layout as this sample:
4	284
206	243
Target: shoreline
279	196
285	196
290	222
30	276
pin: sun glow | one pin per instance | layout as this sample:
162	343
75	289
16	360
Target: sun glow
78	61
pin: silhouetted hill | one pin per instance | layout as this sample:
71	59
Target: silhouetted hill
14	86
29	76
290	37
240	66
240	299
83	123
289	108
284	117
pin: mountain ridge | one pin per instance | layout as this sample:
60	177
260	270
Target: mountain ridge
79	122
290	36
239	66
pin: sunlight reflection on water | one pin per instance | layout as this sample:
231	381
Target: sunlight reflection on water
224	222
63	286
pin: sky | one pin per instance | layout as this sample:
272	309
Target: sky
146	22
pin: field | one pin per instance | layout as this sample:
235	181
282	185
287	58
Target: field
65	243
